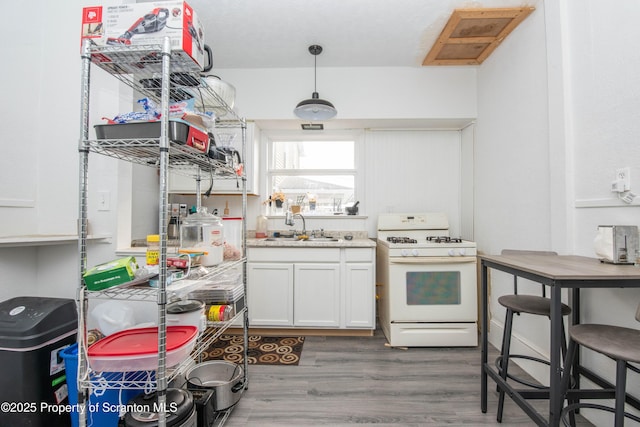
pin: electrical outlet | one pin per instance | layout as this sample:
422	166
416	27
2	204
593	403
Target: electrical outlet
623	176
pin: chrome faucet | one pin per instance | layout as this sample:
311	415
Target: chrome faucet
288	220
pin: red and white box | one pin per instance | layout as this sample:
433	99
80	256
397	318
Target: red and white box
147	23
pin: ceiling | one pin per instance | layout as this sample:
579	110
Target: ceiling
353	33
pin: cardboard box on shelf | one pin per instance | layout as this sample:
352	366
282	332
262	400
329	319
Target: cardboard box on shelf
112	273
148	24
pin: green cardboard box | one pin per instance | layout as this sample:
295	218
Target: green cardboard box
112	273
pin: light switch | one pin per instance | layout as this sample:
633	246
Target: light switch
104	200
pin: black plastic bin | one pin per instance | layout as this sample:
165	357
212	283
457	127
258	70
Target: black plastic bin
33	331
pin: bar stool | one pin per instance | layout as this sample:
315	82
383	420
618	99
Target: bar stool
517	304
618	343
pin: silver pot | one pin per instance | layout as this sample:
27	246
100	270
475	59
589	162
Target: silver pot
224	377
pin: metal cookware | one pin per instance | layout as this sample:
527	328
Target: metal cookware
182	411
224	92
225	378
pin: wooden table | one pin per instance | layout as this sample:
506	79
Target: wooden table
558	272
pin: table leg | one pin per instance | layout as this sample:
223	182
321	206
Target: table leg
484	325
555	369
575	319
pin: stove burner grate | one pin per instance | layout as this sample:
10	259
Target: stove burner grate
401	240
444	239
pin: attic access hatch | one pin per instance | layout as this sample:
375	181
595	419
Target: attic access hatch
472	34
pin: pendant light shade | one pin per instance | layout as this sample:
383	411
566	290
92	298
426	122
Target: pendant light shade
315	108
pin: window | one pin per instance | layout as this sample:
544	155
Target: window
319	175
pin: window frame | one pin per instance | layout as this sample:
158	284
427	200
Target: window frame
271	136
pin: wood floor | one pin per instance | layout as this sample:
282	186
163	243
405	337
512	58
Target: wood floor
357	380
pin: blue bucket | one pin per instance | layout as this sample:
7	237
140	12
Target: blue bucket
103	405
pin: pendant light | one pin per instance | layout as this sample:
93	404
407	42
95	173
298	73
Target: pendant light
315	108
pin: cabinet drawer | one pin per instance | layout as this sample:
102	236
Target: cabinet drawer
293	254
358	255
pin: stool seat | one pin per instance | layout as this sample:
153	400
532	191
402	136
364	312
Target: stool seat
614	341
530	304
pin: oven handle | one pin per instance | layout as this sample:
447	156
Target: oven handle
433	260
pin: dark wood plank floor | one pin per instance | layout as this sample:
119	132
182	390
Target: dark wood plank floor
358	380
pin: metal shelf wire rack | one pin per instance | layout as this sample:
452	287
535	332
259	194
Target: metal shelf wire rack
163	76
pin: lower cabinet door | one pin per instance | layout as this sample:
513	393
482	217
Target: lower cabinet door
317	294
360	299
270	294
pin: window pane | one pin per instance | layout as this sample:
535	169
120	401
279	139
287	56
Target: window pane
313	155
330	192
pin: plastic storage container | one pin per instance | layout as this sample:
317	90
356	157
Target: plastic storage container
153	249
101	401
137	349
33	333
262	227
232	238
113	316
203	232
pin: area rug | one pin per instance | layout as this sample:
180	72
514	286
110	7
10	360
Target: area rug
262	350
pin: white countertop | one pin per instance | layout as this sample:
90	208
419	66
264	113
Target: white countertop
311	243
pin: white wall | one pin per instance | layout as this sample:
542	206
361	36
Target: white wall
413	171
558	105
357	93
605	100
512	168
40	83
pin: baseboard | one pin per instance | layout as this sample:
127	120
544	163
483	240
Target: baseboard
278	332
519	345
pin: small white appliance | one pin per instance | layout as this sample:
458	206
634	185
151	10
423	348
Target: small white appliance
427	282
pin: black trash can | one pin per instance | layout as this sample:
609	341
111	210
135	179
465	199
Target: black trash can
33	332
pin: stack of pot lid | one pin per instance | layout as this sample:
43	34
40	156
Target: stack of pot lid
185	306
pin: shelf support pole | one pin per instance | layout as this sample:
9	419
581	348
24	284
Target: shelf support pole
83	150
163	222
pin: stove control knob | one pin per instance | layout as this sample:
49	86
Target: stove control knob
414	252
404	252
462	252
452	252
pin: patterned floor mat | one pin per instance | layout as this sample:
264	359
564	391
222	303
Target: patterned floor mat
262	350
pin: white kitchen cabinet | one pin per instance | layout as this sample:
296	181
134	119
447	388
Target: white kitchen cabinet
359	288
311	287
316	295
271	294
184	184
360	298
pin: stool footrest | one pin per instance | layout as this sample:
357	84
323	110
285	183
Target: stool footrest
575	406
522	381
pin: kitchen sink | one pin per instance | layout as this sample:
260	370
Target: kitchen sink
295	239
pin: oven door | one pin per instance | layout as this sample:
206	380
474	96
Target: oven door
432	289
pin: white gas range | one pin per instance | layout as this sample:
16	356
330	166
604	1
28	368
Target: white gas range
427	282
